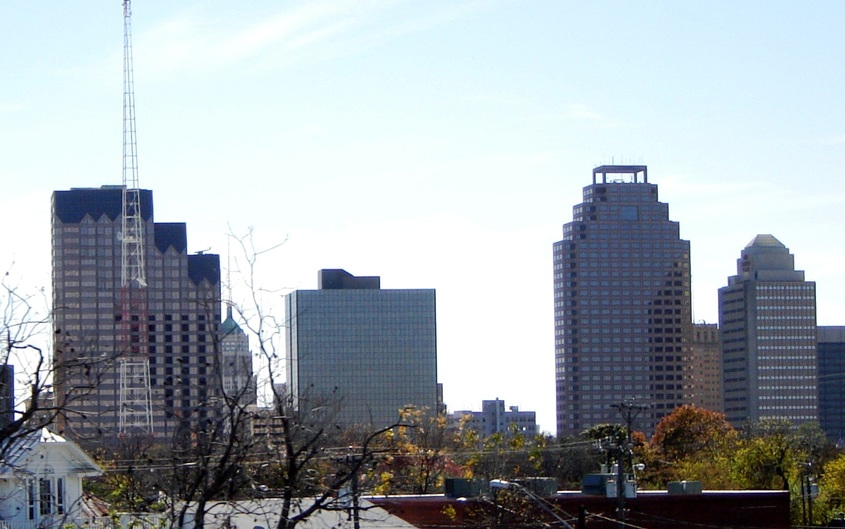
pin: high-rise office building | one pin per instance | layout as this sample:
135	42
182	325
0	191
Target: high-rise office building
831	355
706	367
767	317
622	305
178	327
367	351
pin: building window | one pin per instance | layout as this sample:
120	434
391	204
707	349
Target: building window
45	496
47	499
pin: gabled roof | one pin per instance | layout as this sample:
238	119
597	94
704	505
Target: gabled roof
19	454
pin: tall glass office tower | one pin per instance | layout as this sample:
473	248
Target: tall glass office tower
767	317
364	351
622	305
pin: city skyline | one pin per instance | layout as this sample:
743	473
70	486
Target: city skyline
439	144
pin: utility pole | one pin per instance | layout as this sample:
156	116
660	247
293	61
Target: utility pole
629	411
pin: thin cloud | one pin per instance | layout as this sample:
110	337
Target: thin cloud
309	31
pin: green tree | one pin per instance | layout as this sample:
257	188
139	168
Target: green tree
506	456
831	500
775	454
419	454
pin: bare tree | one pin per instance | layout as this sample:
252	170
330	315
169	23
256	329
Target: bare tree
301	462
27	369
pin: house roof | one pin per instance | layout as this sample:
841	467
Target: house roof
265	513
21	451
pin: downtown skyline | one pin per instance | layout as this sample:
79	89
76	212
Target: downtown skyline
438	145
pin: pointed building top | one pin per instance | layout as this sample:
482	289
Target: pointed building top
229	325
765	240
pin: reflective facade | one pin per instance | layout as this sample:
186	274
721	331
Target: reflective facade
767	318
831	351
622	305
182	305
367	351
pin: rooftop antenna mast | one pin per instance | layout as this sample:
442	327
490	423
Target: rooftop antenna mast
135	411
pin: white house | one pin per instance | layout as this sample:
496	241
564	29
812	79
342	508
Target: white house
41	482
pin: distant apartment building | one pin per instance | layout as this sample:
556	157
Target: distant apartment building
706	367
767	317
366	351
173	327
831	356
622	304
495	419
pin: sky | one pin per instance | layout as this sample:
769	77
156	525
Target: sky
437	144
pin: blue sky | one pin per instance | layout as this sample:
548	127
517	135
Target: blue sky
438	144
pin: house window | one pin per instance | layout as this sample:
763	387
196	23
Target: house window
48	498
60	495
31	500
45	496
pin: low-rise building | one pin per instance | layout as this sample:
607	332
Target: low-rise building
41	482
494	418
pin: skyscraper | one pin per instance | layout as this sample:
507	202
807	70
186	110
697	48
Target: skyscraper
831	351
767	317
622	304
178	331
369	352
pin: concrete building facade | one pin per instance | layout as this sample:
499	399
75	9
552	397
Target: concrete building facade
706	367
767	318
622	304
365	351
494	418
179	328
831	357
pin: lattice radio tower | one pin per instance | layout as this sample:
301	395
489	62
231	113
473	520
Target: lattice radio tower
135	392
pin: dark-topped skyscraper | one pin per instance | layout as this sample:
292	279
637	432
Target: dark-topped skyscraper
178	328
363	351
622	305
767	317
